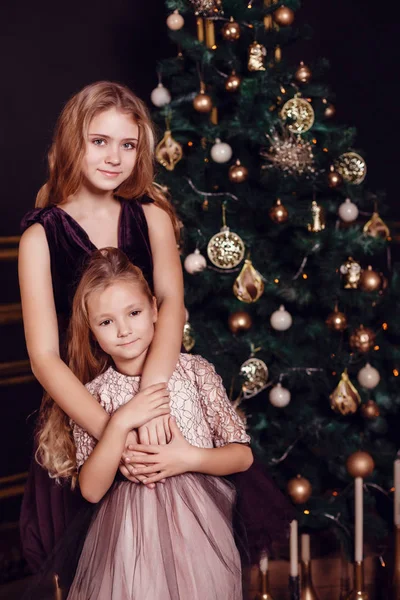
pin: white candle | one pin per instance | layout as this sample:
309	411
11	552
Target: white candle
305	547
358	542
396	483
294	552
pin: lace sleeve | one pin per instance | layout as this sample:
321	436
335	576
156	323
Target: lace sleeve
84	442
225	424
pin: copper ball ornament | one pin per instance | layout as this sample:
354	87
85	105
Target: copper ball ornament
336	320
329	111
303	73
239	321
362	339
370	410
202	102
334	178
370	280
232	83
299	489
238	173
278	213
231	31
283	16
360	464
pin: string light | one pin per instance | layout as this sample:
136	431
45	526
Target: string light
335	493
395	372
305	276
325	149
190	143
276	280
384	326
306	512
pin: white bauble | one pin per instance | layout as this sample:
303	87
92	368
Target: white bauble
195	263
175	21
368	377
160	96
281	319
348	211
221	152
279	396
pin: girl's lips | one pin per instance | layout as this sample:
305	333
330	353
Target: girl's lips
110	173
127	343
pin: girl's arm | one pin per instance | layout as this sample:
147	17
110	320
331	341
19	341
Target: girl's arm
41	333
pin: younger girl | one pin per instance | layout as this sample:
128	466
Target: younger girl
174	542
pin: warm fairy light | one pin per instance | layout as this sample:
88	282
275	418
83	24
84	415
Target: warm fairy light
305	276
325	149
206	160
395	372
376	347
306	512
324	100
391	489
214	47
282	89
276	280
314	141
335	493
383	564
333	372
190	143
333	355
384	326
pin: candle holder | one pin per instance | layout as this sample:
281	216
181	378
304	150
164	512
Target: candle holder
294	587
358	592
396	565
264	593
307	587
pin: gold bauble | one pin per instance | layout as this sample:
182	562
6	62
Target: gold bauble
360	464
336	320
248	286
254	372
233	82
303	73
329	111
299	113
334	178
278	213
345	398
351	270
370	410
207	8
257	54
168	152
318	218
352	167
376	227
188	340
299	489
238	173
202	102
362	339
231	31
226	249
370	280
283	16
239	321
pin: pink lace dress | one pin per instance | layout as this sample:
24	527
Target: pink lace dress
174	542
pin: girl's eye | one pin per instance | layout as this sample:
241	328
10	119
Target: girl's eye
106	322
130	146
99	141
134	313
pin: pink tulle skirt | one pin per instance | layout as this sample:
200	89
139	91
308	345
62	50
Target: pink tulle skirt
174	542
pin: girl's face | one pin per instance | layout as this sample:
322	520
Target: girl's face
111	145
122	319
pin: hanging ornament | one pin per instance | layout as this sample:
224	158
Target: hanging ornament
254	372
368	377
231	31
233	82
221	152
160	96
168	152
362	339
188	340
239	321
281	319
207	8
370	410
195	262
175	21
303	73
249	285
278	213
348	211
289	153
299	489
238	173
345	398
337	321
283	16
334	178
370	280
360	464
351	270
329	111
318	218
226	248
299	113
352	167
257	54
202	102
376	227
279	396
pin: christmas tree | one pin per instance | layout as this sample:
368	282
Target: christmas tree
289	285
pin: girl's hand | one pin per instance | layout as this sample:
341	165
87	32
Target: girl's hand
149	403
132	438
175	458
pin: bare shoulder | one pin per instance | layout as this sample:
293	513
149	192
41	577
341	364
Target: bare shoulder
156	216
33	242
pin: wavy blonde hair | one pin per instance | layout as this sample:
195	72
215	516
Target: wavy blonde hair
56	449
69	145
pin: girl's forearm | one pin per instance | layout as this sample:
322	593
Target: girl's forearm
232	458
69	393
166	345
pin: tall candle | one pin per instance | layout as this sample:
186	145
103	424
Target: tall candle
305	547
294	552
396	483
358	494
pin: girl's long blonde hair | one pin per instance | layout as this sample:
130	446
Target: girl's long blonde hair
56	449
69	142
